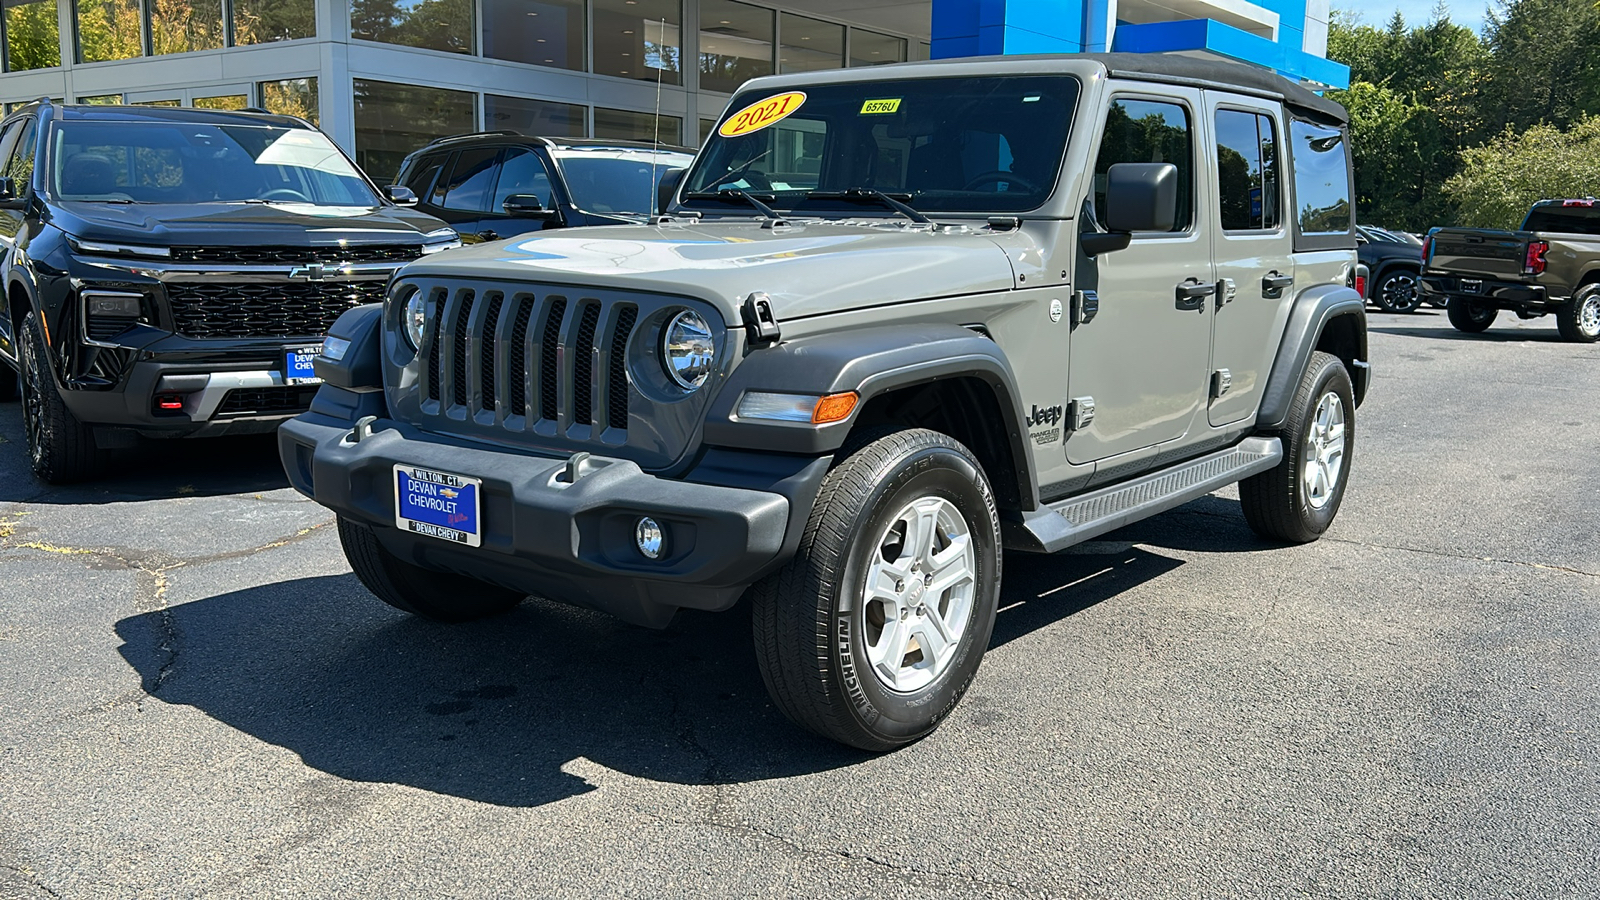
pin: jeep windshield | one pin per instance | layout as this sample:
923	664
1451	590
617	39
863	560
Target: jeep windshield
182	162
991	144
617	181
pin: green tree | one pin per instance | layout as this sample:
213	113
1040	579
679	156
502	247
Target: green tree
1500	180
1543	65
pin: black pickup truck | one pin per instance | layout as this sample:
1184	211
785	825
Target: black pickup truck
1550	265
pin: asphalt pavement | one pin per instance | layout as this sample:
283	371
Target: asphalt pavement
197	698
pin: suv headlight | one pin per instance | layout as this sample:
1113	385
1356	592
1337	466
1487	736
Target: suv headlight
687	349
414	318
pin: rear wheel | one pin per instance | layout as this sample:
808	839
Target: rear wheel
871	635
1579	319
61	448
419	591
1296	500
1470	316
1397	292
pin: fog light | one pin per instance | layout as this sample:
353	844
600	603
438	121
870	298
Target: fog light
648	535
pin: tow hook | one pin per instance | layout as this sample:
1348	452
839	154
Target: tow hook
363	429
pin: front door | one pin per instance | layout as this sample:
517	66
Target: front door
1253	250
1143	356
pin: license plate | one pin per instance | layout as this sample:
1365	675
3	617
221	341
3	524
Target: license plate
437	504
1471	286
297	367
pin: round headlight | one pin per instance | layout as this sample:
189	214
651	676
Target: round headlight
687	349
415	318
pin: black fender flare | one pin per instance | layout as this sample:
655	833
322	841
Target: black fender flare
1314	308
361	366
1389	265
870	361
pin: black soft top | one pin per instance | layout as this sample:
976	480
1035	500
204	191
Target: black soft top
1221	73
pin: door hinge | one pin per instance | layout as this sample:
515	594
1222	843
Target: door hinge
1085	306
1221	382
1080	412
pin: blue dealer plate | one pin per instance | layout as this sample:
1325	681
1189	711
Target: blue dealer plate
297	367
437	504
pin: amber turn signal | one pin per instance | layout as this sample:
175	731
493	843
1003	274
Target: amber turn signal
834	407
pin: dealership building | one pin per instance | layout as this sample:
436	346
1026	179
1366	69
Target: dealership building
383	77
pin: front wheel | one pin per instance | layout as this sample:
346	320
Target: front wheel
872	633
1470	316
1296	500
1579	319
61	448
1397	292
413	589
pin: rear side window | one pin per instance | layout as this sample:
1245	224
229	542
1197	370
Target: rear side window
471	181
1577	219
1321	180
1247	171
1146	131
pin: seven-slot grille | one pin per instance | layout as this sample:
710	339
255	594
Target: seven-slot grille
544	356
264	309
266	256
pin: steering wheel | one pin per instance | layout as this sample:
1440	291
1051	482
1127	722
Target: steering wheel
998	176
286	194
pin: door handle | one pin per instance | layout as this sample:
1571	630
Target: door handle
488	235
1192	294
1274	283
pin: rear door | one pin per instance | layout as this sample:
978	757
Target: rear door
1253	249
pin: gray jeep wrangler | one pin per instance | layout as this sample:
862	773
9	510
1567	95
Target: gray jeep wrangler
895	322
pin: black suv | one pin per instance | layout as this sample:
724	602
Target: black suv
500	184
1395	262
171	272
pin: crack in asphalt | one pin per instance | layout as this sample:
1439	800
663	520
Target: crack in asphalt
32	877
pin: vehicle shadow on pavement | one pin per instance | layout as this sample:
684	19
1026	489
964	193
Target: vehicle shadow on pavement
503	711
153	470
1446	333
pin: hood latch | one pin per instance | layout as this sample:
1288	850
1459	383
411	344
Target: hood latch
760	324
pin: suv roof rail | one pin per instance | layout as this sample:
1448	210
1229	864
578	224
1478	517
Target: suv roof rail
498	132
255	109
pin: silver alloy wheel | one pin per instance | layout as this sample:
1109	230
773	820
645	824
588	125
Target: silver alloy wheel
1323	459
1400	292
1589	314
918	602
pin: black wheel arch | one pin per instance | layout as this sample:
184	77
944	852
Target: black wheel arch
1330	318
946	377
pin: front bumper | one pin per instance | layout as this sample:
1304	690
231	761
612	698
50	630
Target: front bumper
205	388
569	542
1503	294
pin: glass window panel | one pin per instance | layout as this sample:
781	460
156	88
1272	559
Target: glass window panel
222	101
545	118
33	35
264	21
393	120
639	39
1321	179
1144	131
706	127
809	45
541	32
625	125
471	181
1239	183
20	166
523	173
422	177
735	44
109	29
180	26
289	97
429	24
868	48
102	100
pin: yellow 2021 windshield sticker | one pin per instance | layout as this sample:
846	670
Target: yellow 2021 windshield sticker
880	107
761	114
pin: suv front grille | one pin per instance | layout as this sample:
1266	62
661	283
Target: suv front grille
256	309
267	256
545	358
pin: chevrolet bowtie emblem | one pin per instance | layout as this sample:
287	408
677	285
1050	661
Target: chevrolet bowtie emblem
312	272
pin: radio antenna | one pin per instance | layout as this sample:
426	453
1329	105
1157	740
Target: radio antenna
655	151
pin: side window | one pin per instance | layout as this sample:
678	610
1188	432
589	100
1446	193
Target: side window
8	140
20	165
1247	171
1321	179
421	179
523	173
471	181
1145	131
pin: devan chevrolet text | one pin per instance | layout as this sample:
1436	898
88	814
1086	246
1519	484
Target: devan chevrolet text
171	272
896	322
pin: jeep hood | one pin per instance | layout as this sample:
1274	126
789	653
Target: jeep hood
807	269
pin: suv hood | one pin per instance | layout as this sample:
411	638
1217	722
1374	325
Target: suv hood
808	269
240	224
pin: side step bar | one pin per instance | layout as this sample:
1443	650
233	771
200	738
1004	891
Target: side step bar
1078	519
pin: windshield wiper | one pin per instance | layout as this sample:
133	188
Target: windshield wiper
733	194
871	195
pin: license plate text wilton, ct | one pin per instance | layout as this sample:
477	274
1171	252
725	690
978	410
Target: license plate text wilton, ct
437	504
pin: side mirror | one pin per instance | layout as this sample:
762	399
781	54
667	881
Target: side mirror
527	206
1141	197
8	188
400	195
667	188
